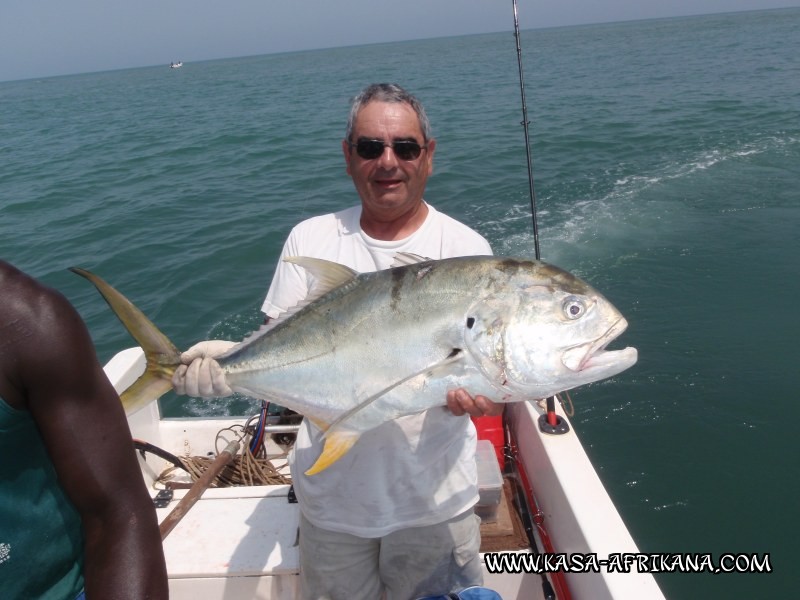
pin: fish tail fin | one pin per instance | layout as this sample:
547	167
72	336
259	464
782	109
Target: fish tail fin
161	354
337	443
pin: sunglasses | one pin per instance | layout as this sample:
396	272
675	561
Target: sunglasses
372	149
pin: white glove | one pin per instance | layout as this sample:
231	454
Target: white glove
201	375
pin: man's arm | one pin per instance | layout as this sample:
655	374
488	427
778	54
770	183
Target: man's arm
83	425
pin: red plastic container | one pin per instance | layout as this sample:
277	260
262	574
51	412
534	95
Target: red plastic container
491	429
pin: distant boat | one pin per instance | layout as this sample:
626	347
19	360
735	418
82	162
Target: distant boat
175	65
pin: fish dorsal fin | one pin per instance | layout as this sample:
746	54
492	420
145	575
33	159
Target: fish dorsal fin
455	356
336	445
328	275
403	259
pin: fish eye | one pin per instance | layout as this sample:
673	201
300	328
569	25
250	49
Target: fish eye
574	308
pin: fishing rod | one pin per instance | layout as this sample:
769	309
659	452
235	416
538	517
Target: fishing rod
552	419
525	123
551	423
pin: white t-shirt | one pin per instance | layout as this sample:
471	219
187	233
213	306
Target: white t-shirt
413	471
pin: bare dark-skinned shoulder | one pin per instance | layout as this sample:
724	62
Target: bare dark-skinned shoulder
48	366
37	325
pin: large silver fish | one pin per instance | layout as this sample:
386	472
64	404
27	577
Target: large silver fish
376	346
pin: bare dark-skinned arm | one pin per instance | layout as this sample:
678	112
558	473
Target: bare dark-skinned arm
86	434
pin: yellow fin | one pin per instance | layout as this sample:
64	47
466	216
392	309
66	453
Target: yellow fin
144	390
337	444
161	354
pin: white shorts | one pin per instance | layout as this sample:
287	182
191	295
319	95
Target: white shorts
406	564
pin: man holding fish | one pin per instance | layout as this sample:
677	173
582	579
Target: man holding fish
393	515
374	356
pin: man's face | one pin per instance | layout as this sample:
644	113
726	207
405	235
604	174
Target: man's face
389	187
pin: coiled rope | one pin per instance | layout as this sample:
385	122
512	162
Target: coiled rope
246	469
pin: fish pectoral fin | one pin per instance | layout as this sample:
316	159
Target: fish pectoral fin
455	356
337	443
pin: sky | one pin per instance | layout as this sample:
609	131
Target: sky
41	38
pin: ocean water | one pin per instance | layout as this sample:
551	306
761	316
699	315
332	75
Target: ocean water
667	171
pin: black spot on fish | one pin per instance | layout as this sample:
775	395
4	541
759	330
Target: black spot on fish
424	271
470	322
511	265
397	284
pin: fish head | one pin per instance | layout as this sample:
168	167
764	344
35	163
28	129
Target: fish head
545	332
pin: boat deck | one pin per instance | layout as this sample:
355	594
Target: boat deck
241	542
265	542
246	546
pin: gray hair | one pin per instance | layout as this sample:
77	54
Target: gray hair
387	92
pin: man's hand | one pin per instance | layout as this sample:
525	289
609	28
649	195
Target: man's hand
201	375
461	403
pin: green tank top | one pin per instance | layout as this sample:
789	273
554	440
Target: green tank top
41	542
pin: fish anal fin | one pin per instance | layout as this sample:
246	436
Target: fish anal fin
337	444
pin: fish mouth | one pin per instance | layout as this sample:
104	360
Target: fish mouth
594	356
